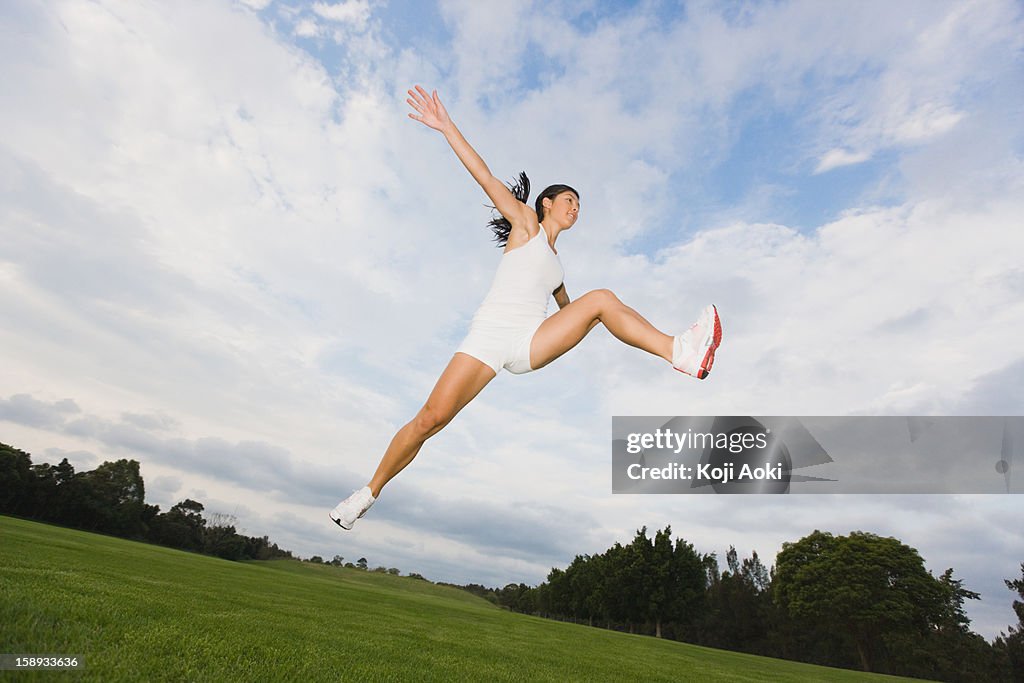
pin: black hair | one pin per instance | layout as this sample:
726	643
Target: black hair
500	226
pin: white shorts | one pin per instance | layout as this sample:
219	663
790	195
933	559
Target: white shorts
500	347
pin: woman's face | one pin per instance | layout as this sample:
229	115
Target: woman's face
563	207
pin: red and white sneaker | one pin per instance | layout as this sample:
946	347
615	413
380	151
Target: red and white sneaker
352	508
694	350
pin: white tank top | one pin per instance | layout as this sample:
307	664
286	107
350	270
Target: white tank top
526	278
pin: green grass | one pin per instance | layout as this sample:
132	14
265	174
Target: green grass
140	612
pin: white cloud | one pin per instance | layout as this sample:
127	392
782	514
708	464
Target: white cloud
835	158
926	122
355	12
921	79
307	28
492	38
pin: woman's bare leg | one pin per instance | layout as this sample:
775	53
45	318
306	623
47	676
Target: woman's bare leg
459	384
565	328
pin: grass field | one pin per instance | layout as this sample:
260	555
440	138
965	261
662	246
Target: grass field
137	612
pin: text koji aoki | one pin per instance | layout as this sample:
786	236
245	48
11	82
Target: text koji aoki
724	473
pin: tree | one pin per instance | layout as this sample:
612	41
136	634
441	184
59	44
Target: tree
634	585
860	586
581	585
596	580
221	539
1018	605
119	482
515	596
661	576
56	494
191	512
739	608
361	563
949	650
258	548
616	583
557	598
15	479
1011	644
183	526
687	585
118	499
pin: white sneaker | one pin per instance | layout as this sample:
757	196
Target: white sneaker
694	350
352	508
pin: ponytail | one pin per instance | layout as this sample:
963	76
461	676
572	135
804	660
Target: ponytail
500	225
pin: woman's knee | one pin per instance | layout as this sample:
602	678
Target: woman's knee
602	299
430	420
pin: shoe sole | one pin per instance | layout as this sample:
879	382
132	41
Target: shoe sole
709	356
338	522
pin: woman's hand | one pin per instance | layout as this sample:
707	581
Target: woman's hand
430	111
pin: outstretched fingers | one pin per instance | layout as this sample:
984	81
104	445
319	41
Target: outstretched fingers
429	109
416	103
421	101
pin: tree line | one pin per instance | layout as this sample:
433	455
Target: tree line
859	601
361	564
111	500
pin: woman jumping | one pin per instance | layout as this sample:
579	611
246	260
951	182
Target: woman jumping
511	329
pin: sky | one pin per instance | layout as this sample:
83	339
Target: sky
227	253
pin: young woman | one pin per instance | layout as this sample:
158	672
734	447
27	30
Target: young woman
511	329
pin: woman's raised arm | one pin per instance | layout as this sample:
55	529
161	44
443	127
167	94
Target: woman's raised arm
431	113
